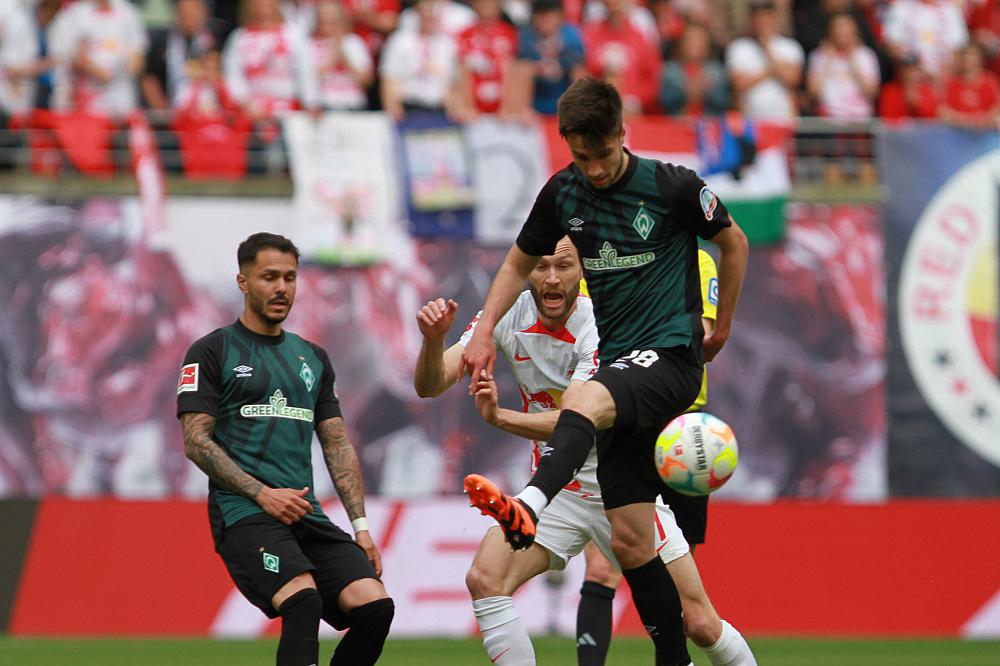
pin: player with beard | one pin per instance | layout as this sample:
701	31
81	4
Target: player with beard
550	338
250	396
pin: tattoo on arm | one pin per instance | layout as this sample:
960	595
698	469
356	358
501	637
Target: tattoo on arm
209	456
342	461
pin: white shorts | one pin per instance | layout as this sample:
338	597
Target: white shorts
570	521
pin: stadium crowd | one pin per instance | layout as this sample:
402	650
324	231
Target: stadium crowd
243	64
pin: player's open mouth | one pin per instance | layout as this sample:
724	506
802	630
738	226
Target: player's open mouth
553	299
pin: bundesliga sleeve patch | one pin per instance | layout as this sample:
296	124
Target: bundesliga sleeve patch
713	291
189	378
708	202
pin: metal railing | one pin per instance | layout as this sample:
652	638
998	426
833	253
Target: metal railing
828	160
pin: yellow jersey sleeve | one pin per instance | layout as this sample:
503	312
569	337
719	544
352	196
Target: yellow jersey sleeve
709	284
709	300
583	287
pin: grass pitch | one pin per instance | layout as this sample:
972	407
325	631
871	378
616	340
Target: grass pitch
438	652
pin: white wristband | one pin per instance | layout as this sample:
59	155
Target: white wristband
360	524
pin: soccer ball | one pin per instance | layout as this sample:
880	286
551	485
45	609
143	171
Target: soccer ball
696	453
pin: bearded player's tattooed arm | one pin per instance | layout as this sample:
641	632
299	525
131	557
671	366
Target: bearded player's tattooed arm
342	461
204	452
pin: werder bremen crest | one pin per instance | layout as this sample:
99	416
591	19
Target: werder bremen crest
307	376
610	261
643	221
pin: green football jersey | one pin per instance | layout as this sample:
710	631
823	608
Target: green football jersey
637	240
266	393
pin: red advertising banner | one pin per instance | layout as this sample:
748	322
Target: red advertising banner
792	568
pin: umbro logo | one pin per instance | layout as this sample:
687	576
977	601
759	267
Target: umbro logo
575	224
243	370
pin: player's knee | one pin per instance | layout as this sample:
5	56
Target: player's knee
305	607
702	624
482	582
602	574
373	618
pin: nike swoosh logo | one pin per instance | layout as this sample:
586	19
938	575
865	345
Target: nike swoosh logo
518	357
494	659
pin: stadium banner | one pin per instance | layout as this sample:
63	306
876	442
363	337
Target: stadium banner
509	168
348	207
437	170
802	379
942	219
745	163
108	567
97	319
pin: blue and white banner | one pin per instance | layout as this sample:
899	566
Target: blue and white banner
942	218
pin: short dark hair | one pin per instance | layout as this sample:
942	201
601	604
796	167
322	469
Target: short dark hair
592	109
542	6
248	249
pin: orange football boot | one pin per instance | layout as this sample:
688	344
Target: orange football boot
516	518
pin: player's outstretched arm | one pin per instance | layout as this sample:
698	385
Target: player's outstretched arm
345	470
286	504
733	252
437	368
480	353
537	425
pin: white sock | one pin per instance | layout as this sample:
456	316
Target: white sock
504	636
534	498
731	649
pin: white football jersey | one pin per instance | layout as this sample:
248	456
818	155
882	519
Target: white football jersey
544	363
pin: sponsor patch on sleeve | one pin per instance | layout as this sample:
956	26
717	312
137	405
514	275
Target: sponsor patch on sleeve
713	291
708	202
189	378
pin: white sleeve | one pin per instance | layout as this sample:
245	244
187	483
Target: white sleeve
19	43
790	51
587	347
357	53
736	56
64	33
470	329
894	26
138	38
305	69
957	34
389	64
232	67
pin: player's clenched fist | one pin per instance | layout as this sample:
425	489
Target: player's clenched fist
435	318
285	504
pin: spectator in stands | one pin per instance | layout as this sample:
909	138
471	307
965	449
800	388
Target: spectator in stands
693	84
341	58
451	17
812	22
202	92
984	24
670	24
911	94
45	13
638	15
971	94
843	78
623	55
550	57
19	60
99	47
167	66
267	65
486	52
765	67
373	20
419	66
930	29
